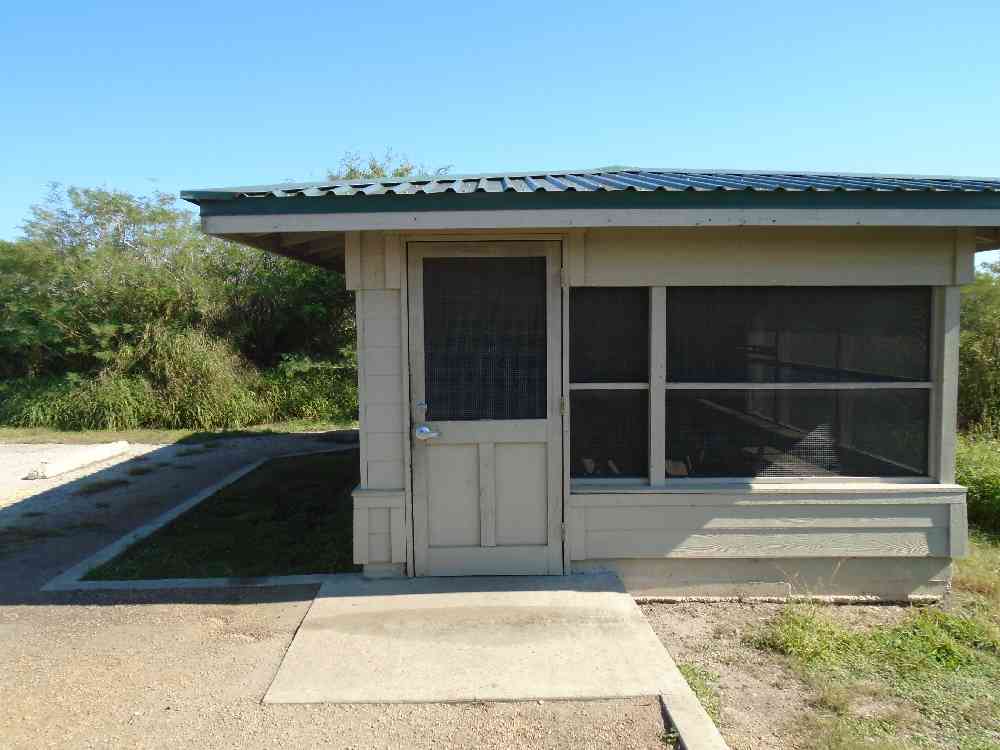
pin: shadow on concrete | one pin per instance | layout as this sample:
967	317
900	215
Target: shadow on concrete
44	534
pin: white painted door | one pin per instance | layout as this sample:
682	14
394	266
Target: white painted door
485	380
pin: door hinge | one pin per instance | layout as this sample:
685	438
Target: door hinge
562	405
564	277
563	524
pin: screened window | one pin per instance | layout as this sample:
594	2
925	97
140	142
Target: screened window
796	433
609	383
744	382
798	334
609	335
865	351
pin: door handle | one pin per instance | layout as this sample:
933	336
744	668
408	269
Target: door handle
425	432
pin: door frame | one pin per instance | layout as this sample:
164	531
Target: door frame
557	308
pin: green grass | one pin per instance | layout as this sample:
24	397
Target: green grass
978	469
290	516
161	437
929	681
705	687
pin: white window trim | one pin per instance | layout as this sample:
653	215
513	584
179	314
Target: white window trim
942	391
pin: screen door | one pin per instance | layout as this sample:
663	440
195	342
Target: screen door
484	363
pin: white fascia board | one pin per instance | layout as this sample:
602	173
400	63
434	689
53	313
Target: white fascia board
592	218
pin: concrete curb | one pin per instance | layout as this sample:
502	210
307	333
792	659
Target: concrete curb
70	579
80	458
693	725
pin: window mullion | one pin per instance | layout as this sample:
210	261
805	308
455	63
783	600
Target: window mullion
657	384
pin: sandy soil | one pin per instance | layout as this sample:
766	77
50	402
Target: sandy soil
168	672
761	698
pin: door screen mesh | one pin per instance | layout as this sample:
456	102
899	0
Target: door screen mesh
777	433
484	338
797	334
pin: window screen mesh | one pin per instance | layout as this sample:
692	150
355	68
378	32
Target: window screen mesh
609	335
797	335
775	433
609	434
484	338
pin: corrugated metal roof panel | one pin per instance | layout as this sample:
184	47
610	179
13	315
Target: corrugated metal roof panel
610	180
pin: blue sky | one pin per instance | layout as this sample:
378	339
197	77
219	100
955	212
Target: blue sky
166	96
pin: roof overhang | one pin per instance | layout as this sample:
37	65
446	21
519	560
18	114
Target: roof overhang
312	228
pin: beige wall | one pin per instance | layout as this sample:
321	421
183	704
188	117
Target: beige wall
718	256
691	542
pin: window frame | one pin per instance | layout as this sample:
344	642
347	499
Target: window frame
940	449
649	385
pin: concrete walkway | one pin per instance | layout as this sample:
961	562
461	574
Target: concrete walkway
469	639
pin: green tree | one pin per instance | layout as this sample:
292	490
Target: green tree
979	357
391	165
115	309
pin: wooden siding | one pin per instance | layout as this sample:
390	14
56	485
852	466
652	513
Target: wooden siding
887	579
887	523
379	527
381	416
664	528
769	256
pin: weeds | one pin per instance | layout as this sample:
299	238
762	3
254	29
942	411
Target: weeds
181	379
979	572
929	680
705	687
978	469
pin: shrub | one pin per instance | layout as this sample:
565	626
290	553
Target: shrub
303	388
978	469
106	402
979	354
182	379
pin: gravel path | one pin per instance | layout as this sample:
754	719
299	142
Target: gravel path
170	669
144	673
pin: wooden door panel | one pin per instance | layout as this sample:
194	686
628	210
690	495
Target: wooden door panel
521	493
453	494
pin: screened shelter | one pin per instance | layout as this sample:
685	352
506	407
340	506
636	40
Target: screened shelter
712	383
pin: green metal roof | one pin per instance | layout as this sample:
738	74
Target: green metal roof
607	180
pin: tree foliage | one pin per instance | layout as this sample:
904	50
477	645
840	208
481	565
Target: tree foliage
979	358
353	166
111	298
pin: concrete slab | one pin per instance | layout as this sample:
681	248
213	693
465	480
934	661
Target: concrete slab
53	464
470	639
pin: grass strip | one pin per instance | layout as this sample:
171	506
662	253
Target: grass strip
291	516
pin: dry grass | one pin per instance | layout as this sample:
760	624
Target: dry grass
979	573
928	680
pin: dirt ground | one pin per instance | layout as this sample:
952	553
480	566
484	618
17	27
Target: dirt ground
761	699
171	669
166	671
